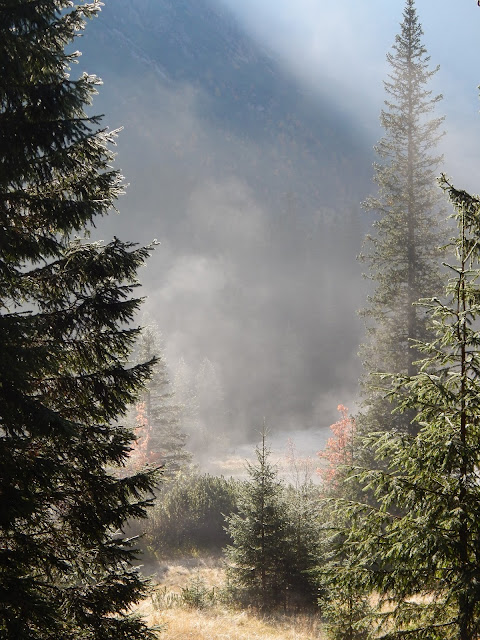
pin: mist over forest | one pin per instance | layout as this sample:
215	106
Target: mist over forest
212	424
251	177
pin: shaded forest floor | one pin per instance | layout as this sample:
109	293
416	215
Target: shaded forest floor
201	580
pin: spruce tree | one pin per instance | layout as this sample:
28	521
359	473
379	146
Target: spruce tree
418	547
275	540
402	253
65	310
260	530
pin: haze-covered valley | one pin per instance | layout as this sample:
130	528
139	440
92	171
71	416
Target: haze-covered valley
251	179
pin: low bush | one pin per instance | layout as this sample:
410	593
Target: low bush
189	516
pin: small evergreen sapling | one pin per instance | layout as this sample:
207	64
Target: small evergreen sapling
259	532
274	540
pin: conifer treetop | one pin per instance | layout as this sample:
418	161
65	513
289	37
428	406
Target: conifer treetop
403	251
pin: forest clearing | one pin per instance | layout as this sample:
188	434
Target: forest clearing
214	620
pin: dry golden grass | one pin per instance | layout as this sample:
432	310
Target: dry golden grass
176	574
217	622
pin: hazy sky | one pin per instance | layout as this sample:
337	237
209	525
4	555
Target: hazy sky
263	288
348	39
340	46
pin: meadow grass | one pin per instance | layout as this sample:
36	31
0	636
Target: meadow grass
216	621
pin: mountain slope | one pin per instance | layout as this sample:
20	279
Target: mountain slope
252	186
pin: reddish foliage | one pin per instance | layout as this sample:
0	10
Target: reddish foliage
141	453
339	448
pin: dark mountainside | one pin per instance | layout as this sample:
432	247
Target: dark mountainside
252	185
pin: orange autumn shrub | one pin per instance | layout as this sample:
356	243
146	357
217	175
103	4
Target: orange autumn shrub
338	450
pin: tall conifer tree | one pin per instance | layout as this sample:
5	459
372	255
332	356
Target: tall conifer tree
65	307
418	548
402	254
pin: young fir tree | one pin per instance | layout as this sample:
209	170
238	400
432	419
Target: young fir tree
402	254
260	537
274	533
65	307
419	547
167	440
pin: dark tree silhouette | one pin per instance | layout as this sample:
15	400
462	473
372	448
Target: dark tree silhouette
65	309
